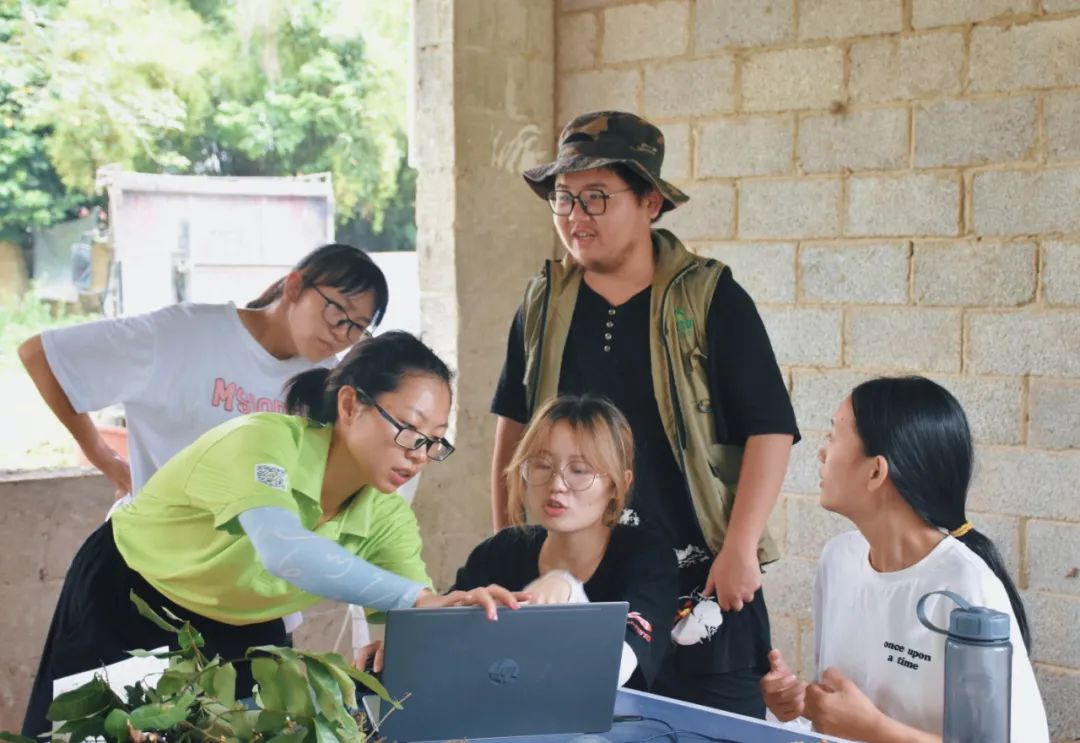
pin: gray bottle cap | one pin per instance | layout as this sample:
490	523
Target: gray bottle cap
979	624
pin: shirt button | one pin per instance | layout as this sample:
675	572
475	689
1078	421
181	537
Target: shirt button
607	349
611	311
607	336
610	324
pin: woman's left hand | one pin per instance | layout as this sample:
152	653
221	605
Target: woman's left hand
550	588
488	597
370	651
838	707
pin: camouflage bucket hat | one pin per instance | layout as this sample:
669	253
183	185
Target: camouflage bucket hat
602	138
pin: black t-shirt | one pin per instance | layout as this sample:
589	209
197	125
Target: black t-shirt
607	353
637	568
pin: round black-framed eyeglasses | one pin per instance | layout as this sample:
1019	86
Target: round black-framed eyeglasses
593	201
407	437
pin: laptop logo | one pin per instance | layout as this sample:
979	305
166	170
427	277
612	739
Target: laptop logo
503	671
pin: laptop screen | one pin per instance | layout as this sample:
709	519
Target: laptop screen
538	670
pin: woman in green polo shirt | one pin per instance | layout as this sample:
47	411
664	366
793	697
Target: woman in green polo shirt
268	514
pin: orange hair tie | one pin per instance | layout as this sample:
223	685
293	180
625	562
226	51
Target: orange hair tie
962	529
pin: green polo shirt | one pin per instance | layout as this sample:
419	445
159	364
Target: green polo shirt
182	534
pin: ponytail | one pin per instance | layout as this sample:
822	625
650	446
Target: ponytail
305	394
271	293
376	366
982	546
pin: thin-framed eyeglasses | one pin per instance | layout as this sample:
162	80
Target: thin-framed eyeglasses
337	318
407	437
577	475
593	201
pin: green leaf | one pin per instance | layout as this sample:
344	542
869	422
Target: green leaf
184	667
373	685
215	718
348	730
352	731
190	638
89	699
270	695
280	652
162	716
171	615
348	688
243	722
297	692
152	615
116	725
329	659
79	730
224	686
205	680
296	735
172	683
324	730
13	738
327	693
271	721
147	654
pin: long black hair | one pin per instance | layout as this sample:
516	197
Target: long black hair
376	366
922	432
345	268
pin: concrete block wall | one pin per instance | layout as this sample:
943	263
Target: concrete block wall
897	183
43	522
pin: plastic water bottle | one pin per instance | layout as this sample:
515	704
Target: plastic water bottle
978	672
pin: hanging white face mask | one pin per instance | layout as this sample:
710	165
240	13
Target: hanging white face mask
699	624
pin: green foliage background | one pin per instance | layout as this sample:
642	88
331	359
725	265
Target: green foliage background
220	87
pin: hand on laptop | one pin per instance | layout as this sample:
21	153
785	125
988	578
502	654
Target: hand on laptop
550	588
488	597
370	657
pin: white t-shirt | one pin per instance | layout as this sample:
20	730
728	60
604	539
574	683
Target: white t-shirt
865	626
179	371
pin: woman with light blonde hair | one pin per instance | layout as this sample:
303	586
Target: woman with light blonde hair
571	475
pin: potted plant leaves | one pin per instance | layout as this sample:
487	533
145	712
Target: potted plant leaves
300	697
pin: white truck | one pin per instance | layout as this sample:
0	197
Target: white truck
182	238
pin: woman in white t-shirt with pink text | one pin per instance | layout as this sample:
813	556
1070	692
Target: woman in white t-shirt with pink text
183	369
897	463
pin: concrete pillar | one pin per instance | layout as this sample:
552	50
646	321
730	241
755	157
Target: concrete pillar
484	92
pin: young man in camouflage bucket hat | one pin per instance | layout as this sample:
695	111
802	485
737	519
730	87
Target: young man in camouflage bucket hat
679	347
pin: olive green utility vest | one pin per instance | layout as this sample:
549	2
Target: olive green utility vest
682	290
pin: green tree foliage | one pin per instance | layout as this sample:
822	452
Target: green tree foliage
229	87
121	76
31	192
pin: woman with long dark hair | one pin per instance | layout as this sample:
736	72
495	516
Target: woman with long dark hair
898	463
266	515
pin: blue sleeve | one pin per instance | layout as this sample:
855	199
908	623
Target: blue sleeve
321	567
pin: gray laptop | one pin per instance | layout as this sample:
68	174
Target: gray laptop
539	670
